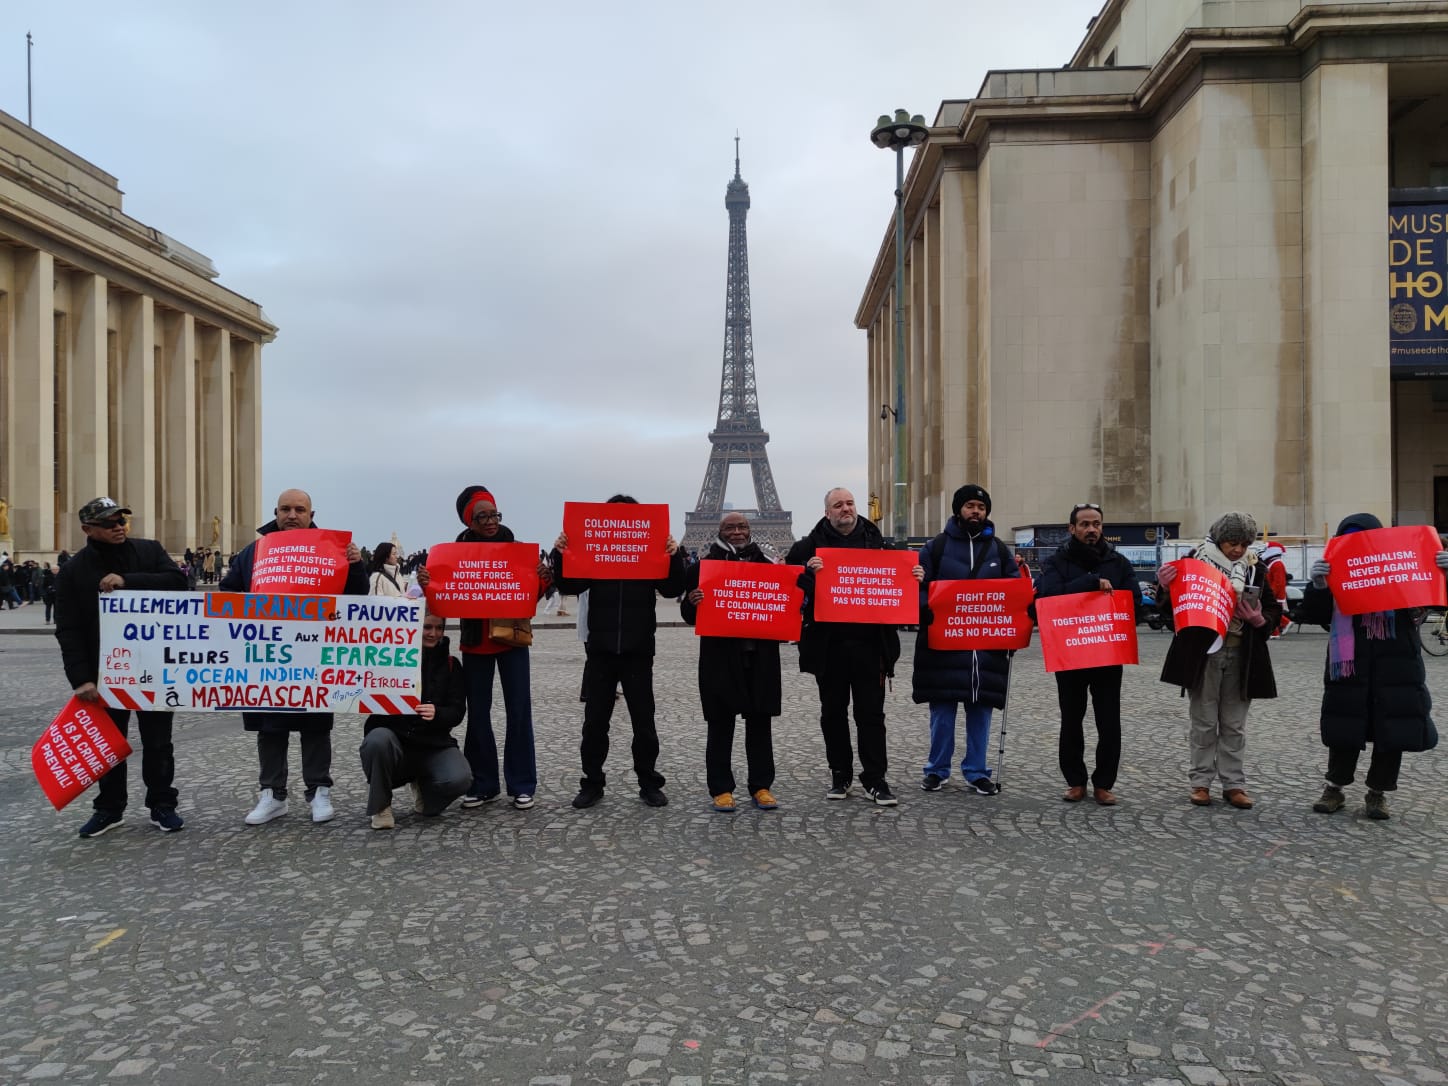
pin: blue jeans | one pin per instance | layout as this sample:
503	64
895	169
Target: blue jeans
942	740
520	769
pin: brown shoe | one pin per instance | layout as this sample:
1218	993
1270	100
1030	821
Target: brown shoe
1074	794
1201	797
1238	798
1104	797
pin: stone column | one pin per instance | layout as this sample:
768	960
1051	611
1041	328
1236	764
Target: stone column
88	464
178	395
137	412
1345	275
32	400
247	498
217	450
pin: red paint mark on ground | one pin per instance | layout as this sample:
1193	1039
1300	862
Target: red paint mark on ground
1275	846
691	1044
1092	1012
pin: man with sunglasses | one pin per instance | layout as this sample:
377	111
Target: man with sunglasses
109	561
1087	562
420	750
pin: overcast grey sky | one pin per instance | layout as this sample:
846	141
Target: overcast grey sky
493	235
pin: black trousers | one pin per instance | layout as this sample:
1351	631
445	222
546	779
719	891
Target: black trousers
271	752
603	675
1382	769
158	764
758	753
442	773
854	671
1104	686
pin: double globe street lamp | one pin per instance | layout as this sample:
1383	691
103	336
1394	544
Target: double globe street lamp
895	134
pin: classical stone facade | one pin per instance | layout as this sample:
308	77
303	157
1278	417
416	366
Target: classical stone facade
1158	278
125	369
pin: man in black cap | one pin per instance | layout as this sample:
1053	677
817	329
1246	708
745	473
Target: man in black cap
966	550
1087	562
109	561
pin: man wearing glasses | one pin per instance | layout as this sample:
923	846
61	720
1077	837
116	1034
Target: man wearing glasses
1088	563
420	750
109	561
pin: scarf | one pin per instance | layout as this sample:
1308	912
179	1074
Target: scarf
1342	639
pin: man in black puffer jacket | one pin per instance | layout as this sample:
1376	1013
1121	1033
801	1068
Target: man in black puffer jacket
1374	687
849	660
420	749
967	550
1088	563
107	562
620	652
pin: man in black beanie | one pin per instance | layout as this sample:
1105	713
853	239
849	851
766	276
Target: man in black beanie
1088	563
968	549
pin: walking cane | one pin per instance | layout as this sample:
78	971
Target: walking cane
1005	712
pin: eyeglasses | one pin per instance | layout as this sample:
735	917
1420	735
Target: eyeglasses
487	516
115	522
1085	505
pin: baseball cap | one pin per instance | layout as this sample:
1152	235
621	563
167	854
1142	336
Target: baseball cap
101	510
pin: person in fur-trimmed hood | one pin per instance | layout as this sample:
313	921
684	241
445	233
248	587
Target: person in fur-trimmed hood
1374	687
1222	675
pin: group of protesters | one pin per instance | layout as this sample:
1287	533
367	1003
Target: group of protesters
1374	685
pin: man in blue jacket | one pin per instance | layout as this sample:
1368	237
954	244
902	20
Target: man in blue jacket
1088	563
967	550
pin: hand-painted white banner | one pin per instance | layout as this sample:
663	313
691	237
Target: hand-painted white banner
224	652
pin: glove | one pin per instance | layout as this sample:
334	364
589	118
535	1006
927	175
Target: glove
927	616
1319	571
1249	611
1442	559
1166	575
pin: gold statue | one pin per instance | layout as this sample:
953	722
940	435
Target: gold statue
215	530
4	519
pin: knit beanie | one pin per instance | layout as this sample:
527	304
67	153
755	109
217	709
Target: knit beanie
1358	522
967	493
468	500
1233	527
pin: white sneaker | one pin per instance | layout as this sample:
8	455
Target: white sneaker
322	805
267	808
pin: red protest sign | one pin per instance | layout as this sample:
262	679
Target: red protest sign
483	580
616	540
984	614
300	561
81	745
1087	629
1385	569
866	586
1201	595
749	599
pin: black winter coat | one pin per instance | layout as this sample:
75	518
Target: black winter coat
817	638
1385	701
1186	658
738	676
443	687
238	579
144	564
621	614
973	677
1074	568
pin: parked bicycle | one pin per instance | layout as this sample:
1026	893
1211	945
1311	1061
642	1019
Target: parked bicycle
1434	632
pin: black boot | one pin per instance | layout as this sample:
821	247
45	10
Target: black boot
1376	805
1332	800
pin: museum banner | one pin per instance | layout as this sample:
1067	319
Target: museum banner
225	652
1385	569
857	585
1087	629
483	580
1417	293
616	541
749	599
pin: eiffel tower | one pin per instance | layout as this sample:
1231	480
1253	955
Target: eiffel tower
738	436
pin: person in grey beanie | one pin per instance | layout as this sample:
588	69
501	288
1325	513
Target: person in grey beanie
1223	675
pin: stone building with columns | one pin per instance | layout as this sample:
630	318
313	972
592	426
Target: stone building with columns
1159	278
125	368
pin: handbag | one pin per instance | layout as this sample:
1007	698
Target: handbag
514	632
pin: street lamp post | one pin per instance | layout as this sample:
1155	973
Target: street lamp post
895	134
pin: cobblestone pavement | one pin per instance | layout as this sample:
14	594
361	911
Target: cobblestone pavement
954	939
